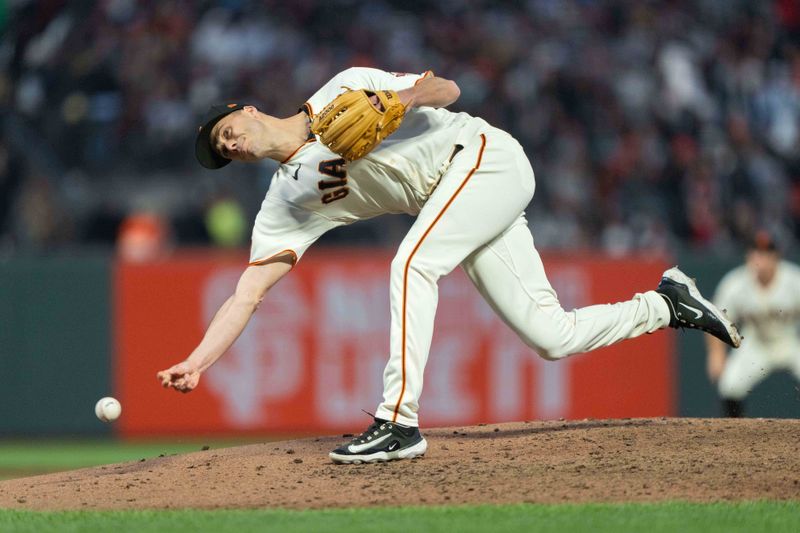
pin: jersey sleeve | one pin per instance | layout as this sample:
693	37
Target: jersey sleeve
282	228
725	296
792	272
372	79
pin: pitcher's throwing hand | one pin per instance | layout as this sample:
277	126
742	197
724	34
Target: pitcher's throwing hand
183	377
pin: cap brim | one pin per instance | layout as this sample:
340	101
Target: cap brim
204	152
763	241
203	148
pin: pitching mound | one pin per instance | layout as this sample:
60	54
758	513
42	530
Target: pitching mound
546	462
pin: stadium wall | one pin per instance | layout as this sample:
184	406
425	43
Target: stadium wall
55	344
77	328
313	355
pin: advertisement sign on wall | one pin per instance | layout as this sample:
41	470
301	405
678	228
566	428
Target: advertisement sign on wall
313	355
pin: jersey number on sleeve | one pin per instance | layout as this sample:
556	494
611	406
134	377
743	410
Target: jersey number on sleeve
336	185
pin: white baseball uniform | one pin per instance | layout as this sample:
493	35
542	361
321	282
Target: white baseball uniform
468	184
769	319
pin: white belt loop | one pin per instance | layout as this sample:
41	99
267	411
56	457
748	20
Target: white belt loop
442	169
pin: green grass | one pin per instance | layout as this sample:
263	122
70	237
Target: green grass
20	458
597	518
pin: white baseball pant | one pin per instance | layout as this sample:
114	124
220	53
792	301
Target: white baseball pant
475	218
747	366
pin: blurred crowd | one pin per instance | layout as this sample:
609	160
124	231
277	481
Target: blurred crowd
651	125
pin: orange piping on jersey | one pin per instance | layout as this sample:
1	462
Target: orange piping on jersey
408	264
425	75
309	110
259	262
297	150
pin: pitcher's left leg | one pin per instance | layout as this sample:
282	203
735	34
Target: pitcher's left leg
488	185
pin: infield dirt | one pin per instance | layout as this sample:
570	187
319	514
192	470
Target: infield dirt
699	460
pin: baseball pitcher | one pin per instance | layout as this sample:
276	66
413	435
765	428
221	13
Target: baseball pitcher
371	142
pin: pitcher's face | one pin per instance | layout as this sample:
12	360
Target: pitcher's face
239	136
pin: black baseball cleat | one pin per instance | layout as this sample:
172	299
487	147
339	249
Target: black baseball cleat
688	308
382	441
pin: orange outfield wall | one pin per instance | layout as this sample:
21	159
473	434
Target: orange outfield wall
312	356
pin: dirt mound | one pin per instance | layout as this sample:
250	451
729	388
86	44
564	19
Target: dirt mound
545	462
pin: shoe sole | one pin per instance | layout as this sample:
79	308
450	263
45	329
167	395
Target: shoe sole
677	276
416	450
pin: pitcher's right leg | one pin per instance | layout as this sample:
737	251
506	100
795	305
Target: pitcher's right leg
510	275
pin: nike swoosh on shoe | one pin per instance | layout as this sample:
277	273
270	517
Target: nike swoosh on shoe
357	448
698	312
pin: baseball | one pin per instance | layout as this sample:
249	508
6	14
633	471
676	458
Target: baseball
108	409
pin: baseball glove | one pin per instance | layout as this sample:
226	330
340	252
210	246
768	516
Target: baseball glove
352	126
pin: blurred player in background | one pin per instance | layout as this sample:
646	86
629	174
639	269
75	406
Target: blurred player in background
763	298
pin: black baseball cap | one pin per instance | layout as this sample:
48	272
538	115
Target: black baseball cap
203	149
763	241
